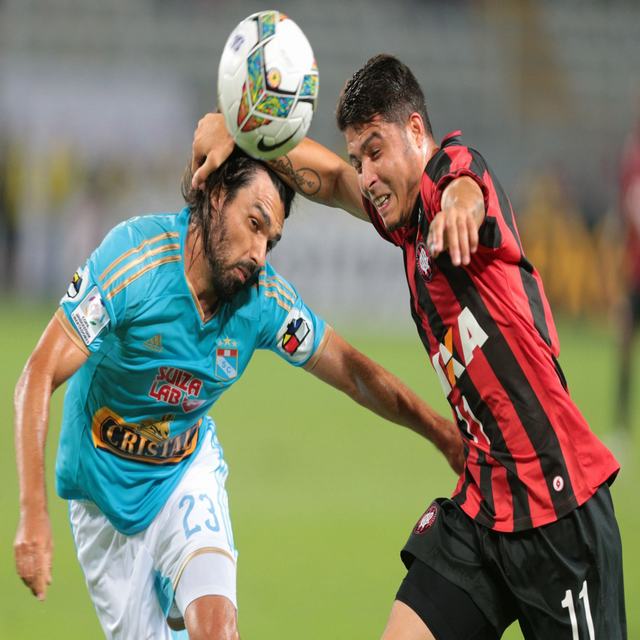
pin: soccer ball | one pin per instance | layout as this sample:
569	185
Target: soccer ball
267	84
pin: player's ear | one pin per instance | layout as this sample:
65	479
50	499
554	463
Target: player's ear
217	201
415	128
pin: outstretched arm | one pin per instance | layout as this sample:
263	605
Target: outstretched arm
311	169
345	368
455	227
55	358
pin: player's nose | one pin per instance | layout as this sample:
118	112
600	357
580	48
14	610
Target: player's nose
369	176
259	252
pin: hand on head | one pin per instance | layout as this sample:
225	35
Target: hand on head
212	145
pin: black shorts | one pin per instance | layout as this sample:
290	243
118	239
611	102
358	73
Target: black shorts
556	580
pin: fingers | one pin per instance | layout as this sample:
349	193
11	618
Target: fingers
456	232
33	564
202	173
25	565
463	240
457	463
435	239
212	145
456	452
453	240
41	582
36	575
197	148
472	230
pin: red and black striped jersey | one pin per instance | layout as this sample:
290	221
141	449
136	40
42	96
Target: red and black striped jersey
487	327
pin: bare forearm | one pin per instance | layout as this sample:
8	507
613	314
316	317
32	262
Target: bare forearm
54	360
345	368
310	168
33	543
465	195
305	180
455	227
320	175
383	393
31	403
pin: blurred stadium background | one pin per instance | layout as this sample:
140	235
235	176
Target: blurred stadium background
98	101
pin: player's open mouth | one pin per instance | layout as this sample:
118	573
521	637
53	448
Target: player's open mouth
382	203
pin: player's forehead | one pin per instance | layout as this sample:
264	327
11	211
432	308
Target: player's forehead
261	195
359	137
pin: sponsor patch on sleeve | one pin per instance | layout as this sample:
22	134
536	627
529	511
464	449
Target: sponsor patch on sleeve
295	337
90	316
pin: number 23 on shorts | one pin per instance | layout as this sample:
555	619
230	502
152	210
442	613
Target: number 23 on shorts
197	514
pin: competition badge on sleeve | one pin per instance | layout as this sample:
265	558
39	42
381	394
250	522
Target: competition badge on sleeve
295	338
77	285
90	316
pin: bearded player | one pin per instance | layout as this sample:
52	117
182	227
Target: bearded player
163	318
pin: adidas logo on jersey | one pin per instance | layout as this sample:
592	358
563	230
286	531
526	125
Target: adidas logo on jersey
154	343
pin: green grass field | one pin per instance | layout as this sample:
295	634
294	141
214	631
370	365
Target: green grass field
323	495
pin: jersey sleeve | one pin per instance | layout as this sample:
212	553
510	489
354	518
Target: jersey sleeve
459	161
87	310
287	326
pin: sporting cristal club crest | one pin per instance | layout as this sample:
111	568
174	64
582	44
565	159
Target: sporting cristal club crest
226	364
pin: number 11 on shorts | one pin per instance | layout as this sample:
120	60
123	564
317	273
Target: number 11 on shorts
567	603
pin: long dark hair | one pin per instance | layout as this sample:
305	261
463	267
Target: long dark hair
231	176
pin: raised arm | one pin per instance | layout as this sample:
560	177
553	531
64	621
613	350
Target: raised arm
55	358
311	169
345	368
455	227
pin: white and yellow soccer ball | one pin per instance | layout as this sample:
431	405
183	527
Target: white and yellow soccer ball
267	84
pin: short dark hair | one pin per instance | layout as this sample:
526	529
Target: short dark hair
231	176
384	87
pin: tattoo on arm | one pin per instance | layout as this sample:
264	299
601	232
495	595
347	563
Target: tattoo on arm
307	180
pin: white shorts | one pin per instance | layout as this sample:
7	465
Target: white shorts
132	580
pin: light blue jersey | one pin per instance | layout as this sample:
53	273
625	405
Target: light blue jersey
134	413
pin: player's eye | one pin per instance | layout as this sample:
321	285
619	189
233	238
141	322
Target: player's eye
255	225
272	242
375	154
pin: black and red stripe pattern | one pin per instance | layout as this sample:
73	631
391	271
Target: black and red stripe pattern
490	335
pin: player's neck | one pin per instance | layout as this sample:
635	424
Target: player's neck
431	148
198	274
428	150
